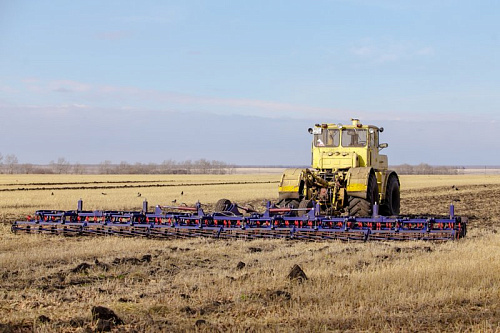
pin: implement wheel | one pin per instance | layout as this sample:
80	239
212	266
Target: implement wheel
392	198
293	204
364	207
223	205
304	207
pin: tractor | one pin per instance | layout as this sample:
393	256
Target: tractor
348	175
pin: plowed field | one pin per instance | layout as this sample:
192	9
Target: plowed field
51	283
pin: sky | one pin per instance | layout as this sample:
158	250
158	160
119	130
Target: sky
242	81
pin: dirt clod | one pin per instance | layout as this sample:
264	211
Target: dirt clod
43	319
101	265
77	322
101	312
280	294
240	265
131	261
200	322
104	325
297	274
254	249
83	267
188	310
16	328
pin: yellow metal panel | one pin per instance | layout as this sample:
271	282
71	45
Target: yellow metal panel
288	188
356	187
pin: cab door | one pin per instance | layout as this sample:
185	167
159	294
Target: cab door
372	147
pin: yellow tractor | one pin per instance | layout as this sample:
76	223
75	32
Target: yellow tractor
348	174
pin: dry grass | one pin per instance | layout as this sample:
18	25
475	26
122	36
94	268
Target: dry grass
413	286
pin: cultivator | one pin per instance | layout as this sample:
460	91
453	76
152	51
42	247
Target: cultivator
275	222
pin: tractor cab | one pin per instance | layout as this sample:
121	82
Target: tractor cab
337	146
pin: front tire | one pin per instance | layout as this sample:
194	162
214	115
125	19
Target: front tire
364	207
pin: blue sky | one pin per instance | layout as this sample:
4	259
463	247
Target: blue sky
241	81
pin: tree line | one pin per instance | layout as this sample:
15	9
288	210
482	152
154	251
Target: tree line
9	164
425	169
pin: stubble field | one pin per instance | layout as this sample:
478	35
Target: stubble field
200	284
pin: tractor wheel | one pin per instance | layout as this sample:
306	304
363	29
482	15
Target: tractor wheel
359	207
392	198
304	207
363	207
222	205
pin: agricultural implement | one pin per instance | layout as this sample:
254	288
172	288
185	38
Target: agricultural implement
348	193
275	222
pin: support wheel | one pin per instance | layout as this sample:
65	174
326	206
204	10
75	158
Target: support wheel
223	205
304	207
391	205
293	204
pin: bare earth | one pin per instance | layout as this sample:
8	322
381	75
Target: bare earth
200	284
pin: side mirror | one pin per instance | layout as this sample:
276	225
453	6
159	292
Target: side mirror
310	130
383	145
381	129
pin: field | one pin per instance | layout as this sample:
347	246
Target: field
201	284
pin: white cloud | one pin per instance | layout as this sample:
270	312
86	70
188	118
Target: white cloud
134	97
68	86
8	89
383	51
426	51
362	51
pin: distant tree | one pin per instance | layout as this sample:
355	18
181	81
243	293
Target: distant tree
26	168
187	166
405	169
78	169
124	168
105	167
424	169
152	168
11	163
168	166
61	166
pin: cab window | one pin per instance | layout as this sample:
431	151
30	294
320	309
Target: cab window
373	138
353	137
328	138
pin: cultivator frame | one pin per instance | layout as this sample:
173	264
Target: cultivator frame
275	222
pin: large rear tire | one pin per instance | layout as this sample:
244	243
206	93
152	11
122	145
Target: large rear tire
364	207
392	203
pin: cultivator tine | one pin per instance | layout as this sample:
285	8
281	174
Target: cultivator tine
186	222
